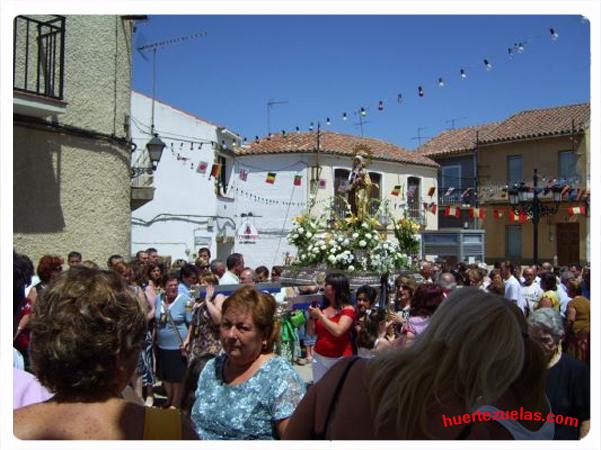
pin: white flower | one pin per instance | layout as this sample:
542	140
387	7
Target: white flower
309	234
316	250
362	243
295	236
355	235
340	239
332	259
303	257
323	246
364	225
367	236
351	268
301	231
346	242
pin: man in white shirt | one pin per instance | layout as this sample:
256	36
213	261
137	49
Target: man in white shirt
562	290
235	266
512	285
531	292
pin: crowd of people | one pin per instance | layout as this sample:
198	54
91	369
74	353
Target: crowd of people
135	352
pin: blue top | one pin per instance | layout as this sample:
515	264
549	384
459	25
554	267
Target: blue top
166	336
248	410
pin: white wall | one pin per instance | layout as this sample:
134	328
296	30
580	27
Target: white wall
273	221
179	190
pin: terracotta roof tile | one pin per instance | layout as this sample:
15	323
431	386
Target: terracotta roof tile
332	143
541	123
523	125
455	141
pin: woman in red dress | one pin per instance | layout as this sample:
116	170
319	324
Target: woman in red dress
332	325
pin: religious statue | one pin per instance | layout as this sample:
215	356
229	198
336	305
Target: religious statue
359	188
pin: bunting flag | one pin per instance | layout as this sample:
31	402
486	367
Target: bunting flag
431	191
202	167
396	191
215	170
565	190
449	191
520	217
322	184
270	178
430	207
467	191
576	210
452	211
498	213
243	174
297	180
477	213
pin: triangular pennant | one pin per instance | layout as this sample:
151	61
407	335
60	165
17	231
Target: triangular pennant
452	211
297	180
576	210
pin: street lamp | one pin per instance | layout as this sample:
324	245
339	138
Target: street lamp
155	150
525	200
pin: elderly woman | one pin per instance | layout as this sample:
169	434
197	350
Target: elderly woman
248	392
87	331
332	325
456	367
172	319
567	383
496	285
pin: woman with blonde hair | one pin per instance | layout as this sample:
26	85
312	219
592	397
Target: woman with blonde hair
472	352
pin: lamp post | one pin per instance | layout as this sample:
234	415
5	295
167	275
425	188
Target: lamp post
525	200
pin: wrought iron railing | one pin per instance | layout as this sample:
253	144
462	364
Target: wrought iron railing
39	56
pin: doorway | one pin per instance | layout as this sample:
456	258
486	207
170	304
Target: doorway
568	243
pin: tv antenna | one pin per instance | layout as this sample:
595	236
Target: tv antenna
270	104
419	136
154	47
452	122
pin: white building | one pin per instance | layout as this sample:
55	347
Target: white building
271	207
184	213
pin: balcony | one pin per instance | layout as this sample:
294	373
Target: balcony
39	66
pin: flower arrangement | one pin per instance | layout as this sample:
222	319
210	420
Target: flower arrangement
350	244
406	231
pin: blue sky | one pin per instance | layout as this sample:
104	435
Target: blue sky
326	65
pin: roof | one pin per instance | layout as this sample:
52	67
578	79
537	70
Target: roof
536	123
541	123
332	143
456	141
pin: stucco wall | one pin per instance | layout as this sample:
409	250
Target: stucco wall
180	191
543	155
72	192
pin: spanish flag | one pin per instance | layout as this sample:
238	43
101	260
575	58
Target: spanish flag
477	213
520	217
576	210
270	178
297	180
452	211
396	191
498	213
215	170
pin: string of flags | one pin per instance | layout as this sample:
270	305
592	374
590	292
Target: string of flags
497	213
461	73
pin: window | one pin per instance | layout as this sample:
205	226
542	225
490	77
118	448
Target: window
514	169
513	242
340	193
413	197
222	181
451	177
567	166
